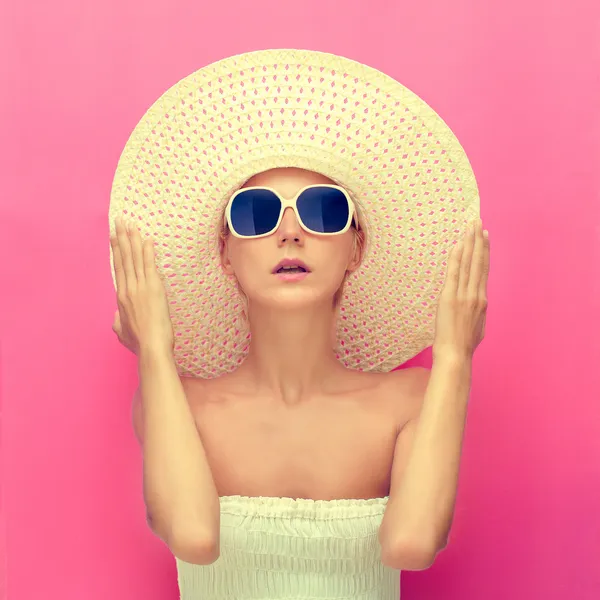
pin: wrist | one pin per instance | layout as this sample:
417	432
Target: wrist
450	379
155	353
451	358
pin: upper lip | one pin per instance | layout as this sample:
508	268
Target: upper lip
290	262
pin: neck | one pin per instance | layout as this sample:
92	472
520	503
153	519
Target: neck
291	353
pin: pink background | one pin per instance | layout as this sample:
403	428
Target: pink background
517	81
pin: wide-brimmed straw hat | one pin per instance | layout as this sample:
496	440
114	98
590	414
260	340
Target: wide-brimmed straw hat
214	129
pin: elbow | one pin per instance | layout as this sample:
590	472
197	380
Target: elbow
193	546
411	553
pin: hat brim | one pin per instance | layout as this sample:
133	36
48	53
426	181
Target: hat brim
219	126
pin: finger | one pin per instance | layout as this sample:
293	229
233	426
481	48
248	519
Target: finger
465	263
476	271
149	257
451	283
486	265
136	252
118	264
125	248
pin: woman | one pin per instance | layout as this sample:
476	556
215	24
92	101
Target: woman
271	468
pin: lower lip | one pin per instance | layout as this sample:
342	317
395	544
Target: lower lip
291	276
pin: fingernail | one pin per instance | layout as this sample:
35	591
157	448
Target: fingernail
486	234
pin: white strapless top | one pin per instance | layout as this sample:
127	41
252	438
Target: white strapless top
276	548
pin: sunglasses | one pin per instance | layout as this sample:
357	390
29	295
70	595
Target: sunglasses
256	212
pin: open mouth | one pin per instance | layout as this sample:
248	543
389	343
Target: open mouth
290	266
291	270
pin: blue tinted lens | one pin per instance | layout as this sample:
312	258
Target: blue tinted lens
323	209
255	212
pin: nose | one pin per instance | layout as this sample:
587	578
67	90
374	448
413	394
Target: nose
289	229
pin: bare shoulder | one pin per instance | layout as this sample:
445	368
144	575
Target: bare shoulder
203	392
412	380
195	389
405	390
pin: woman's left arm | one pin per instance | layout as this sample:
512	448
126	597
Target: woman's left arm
425	472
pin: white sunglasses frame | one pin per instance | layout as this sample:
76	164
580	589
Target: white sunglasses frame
291	203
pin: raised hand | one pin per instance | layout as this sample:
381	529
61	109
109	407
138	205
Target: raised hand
460	320
142	321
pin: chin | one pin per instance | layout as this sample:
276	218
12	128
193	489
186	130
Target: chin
292	296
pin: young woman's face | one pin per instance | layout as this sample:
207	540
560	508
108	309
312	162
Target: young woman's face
253	261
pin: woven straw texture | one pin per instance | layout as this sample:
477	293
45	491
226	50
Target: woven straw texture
214	129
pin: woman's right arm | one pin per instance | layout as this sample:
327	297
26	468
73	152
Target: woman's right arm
181	498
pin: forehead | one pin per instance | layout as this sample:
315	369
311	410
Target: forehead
287	181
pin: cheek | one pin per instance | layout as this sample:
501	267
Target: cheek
335	256
246	259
